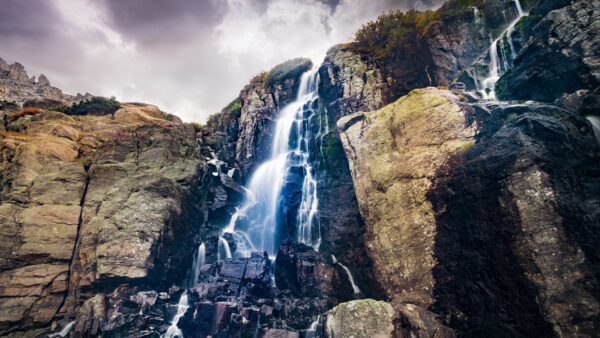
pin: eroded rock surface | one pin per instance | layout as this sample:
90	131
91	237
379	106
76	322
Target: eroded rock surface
466	211
89	202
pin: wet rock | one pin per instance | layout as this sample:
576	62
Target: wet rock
563	56
445	188
308	273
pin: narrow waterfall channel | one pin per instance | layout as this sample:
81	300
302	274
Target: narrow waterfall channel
255	224
498	60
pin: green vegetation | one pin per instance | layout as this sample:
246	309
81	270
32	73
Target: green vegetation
397	32
233	110
287	70
197	126
333	151
95	106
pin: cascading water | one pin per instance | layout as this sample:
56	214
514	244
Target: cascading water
355	287
199	261
173	330
223	245
64	332
498	62
595	121
311	332
255	223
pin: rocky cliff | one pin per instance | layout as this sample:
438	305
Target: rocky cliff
467	211
458	215
92	202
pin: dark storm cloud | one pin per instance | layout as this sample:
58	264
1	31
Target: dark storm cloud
27	19
190	57
155	21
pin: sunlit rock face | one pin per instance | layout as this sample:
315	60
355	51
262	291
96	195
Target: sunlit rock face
461	201
92	201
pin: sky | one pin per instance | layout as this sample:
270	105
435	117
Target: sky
189	57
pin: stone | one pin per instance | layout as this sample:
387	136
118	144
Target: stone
562	57
366	318
308	273
446	187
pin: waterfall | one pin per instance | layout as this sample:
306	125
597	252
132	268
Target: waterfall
225	245
64	332
199	261
519	8
290	146
311	332
355	287
476	15
173	330
595	121
495	68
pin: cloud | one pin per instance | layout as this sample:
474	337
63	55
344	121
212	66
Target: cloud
189	57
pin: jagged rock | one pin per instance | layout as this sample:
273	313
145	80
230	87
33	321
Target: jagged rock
17	87
473	211
308	273
360	318
562	57
43	80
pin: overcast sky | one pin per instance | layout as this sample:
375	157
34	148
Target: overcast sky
189	57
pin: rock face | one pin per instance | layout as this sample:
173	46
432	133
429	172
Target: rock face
94	201
361	318
563	56
308	273
392	171
467	211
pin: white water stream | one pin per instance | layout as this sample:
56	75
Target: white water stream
498	61
173	330
254	224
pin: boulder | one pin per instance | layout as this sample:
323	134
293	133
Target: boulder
365	318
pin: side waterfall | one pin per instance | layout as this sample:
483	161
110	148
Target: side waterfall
355	287
254	224
199	260
498	61
173	330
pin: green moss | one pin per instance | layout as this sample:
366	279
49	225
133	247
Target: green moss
333	151
467	146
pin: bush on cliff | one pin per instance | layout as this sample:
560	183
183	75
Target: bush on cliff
95	106
287	70
398	32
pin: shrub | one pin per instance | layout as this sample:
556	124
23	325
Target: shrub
233	110
197	126
397	32
28	111
288	70
95	106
